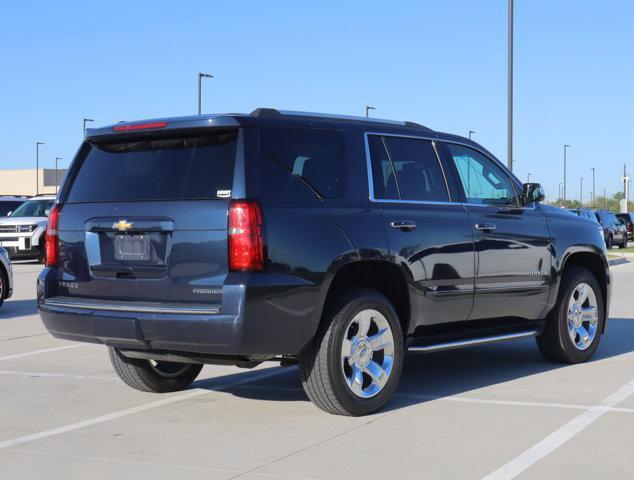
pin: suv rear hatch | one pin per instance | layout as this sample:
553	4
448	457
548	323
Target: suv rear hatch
144	218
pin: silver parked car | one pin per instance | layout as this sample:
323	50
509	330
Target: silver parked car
6	276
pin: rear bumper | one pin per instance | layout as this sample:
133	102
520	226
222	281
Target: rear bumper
247	323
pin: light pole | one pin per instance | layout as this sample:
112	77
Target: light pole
559	197
470	133
593	188
56	180
85	121
528	178
367	110
37	167
565	162
200	90
581	194
510	86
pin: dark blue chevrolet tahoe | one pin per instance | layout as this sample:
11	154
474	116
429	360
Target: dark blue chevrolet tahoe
336	243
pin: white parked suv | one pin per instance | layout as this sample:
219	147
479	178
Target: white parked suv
22	233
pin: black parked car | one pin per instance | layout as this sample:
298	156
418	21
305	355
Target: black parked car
627	220
614	232
337	243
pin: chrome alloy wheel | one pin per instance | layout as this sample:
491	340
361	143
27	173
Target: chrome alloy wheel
583	316
367	353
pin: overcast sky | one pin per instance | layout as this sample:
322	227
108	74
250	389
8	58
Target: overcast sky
442	64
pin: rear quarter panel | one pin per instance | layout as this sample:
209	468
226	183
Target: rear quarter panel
306	244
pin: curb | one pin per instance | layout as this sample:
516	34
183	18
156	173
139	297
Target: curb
618	261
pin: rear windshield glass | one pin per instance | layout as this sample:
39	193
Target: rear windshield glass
183	168
300	162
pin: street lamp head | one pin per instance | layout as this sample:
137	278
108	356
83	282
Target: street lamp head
566	146
39	143
205	75
88	120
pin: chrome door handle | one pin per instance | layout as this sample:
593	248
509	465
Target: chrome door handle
403	224
485	227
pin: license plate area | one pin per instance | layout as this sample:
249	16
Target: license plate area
132	248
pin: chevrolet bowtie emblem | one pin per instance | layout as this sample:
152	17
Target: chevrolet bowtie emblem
123	225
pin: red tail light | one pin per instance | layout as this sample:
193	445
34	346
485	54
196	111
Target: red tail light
139	126
246	246
52	240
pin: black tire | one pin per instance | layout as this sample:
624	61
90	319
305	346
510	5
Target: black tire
555	342
624	243
142	375
320	364
4	286
41	255
609	243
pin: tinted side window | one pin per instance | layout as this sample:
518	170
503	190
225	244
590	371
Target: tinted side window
482	179
296	161
406	169
383	177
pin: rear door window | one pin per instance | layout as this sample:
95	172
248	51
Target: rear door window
300	162
406	169
178	168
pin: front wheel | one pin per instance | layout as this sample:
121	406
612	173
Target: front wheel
574	327
153	376
624	243
609	243
354	364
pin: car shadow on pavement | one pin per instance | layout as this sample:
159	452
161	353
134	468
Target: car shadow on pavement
448	373
17	308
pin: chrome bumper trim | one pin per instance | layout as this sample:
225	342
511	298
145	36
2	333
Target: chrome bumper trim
127	307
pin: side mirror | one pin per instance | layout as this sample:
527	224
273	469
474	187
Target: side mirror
533	192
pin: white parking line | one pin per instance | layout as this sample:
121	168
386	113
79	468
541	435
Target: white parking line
561	436
56	375
139	408
37	352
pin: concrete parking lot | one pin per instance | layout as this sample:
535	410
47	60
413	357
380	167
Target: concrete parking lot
497	411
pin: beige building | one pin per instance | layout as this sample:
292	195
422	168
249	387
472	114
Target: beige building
22	182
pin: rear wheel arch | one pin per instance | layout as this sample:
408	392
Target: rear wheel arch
379	275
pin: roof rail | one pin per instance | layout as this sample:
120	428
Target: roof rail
274	113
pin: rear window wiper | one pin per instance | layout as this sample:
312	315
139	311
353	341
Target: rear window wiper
301	178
